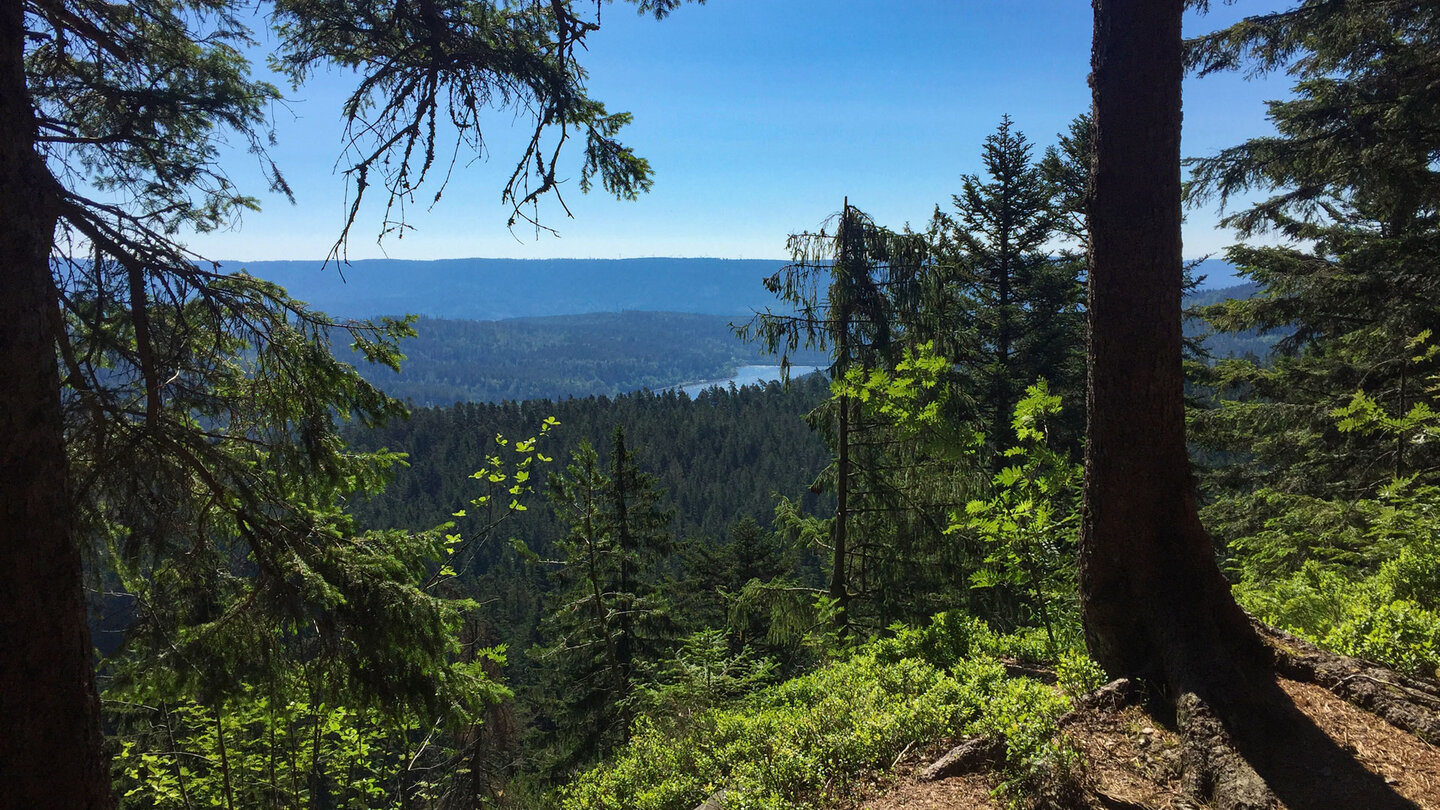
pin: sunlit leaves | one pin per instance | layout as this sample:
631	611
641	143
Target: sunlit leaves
1028	523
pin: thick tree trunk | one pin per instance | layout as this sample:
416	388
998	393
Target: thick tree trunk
50	740
1155	604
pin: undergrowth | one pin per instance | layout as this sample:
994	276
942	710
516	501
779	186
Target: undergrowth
791	746
1367	618
1380	605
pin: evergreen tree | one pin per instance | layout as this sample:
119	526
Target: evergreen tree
643	540
580	627
135	99
847	289
1355	197
1066	168
1020	307
606	619
712	574
1153	601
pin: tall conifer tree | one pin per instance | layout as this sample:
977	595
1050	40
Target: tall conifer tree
606	621
1354	195
136	99
1015	308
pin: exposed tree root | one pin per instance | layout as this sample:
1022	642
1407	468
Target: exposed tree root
1253	753
1250	748
1407	703
1214	772
1109	802
967	757
1114	695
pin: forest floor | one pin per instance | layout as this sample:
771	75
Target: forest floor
1132	762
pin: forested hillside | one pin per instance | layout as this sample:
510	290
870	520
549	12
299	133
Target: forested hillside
610	353
719	466
718	458
1220	344
596	354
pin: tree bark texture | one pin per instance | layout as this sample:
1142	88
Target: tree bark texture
50	739
1154	603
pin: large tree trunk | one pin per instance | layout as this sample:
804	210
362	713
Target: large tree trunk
1155	604
50	740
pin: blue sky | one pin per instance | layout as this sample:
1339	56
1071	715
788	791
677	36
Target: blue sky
759	117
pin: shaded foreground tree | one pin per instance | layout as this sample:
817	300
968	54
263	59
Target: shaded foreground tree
112	118
1155	606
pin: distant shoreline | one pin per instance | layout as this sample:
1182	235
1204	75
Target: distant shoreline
743	376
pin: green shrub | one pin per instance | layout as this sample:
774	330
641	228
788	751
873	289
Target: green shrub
1414	575
949	639
1309	602
789	746
1400	635
1371	618
1078	673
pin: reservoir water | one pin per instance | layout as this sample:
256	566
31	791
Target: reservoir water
747	375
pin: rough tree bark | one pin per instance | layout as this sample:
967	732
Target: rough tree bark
50	741
1154	602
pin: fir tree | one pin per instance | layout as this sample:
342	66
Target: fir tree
1020	306
606	620
850	289
1066	167
1354	196
113	120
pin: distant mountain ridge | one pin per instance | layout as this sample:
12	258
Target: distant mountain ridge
500	289
517	329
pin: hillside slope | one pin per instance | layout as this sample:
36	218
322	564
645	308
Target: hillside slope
560	356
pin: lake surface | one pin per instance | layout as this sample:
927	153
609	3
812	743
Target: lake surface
747	375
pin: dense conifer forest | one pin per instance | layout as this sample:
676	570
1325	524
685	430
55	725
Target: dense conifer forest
611	353
555	357
1019	516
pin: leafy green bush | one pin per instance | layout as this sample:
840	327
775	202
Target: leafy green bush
1370	618
1400	634
1078	673
946	641
1032	645
260	750
1371	602
789	746
1309	602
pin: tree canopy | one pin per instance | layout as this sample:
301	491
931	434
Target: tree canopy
194	409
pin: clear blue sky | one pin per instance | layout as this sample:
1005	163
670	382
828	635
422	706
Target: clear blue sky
758	117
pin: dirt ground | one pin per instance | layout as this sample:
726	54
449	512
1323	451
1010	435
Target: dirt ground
1134	763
